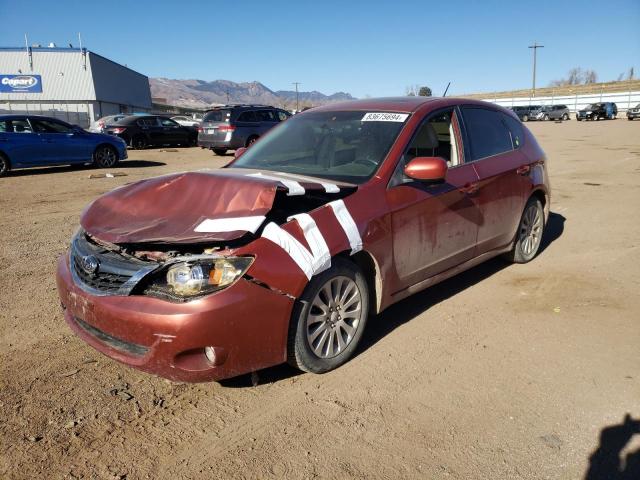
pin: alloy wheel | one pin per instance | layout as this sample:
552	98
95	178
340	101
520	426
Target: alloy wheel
530	230
334	317
106	157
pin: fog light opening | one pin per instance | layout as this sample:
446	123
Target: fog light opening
210	353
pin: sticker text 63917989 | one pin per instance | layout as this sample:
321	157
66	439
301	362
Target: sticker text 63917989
384	117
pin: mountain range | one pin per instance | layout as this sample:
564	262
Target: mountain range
202	94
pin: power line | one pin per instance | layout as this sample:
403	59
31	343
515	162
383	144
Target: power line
535	47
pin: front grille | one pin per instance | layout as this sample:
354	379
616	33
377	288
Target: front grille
114	342
115	274
103	281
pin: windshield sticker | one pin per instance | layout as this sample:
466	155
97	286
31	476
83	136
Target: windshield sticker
385	117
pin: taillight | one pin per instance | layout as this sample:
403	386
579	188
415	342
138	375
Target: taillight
226	128
118	130
200	129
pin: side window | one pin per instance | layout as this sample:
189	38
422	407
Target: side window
50	126
266	116
4	126
515	131
486	132
435	137
282	115
147	122
249	116
20	126
167	122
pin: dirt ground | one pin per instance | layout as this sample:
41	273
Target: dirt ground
506	371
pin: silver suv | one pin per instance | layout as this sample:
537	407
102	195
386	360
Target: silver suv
233	126
551	112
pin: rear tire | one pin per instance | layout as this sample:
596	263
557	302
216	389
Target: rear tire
105	156
545	118
220	151
328	321
565	117
251	140
525	118
5	166
139	142
529	234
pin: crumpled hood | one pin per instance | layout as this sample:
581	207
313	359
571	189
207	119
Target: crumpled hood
172	208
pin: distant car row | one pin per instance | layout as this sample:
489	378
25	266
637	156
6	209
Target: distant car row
593	111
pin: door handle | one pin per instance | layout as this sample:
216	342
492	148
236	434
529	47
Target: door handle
470	188
523	170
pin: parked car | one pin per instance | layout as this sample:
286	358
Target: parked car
142	131
99	125
36	141
524	112
551	112
339	212
598	111
234	126
634	112
186	121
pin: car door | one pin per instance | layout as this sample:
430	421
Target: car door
172	132
150	127
267	120
20	142
493	141
60	142
434	227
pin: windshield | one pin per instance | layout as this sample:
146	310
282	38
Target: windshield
342	146
593	106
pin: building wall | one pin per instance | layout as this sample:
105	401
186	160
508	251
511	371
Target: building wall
117	84
78	86
63	74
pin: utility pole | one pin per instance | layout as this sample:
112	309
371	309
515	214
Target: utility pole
535	47
297	100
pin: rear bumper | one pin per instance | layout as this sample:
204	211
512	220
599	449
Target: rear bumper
246	324
633	114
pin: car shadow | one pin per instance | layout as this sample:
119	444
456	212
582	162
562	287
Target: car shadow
406	310
123	165
605	463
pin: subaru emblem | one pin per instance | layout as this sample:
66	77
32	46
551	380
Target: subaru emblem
89	264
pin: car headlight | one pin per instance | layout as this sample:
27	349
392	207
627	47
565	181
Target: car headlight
189	279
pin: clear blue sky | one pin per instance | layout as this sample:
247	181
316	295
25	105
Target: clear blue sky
361	47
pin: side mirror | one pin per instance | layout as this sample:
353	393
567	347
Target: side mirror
239	152
426	169
78	129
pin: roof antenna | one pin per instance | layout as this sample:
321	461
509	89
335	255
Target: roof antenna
446	90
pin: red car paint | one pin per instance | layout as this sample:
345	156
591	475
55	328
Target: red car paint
411	238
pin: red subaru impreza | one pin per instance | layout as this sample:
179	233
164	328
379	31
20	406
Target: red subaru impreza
337	213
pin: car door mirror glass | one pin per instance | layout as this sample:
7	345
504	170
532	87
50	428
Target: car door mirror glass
426	169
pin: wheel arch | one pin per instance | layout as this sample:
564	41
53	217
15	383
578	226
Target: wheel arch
543	196
371	271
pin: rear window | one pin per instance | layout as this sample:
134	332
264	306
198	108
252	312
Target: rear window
217	116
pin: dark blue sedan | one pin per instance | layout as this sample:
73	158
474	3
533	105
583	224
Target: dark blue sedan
36	141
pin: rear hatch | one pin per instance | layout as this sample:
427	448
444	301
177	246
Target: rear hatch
216	126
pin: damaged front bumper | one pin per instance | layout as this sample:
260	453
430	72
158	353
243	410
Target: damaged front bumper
246	325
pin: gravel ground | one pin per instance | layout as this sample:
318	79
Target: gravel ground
506	371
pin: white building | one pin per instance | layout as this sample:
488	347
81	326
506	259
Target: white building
72	84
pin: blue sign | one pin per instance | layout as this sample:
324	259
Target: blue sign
20	83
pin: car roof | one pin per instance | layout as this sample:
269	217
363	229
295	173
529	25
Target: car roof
404	104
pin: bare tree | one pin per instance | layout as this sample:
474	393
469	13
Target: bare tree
576	76
590	76
631	75
412	90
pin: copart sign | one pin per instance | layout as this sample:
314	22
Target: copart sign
20	83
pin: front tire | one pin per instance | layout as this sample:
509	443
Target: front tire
545	118
565	117
328	321
220	151
105	156
529	234
525	118
5	166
